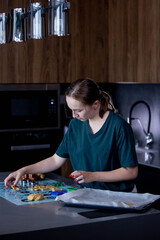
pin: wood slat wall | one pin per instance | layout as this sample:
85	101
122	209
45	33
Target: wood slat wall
110	41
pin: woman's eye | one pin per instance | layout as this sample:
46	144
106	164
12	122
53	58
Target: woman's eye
77	111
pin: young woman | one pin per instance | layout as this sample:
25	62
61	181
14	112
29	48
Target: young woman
99	143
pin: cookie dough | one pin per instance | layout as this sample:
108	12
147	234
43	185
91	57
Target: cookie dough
53	188
15	188
41	175
43	188
35	197
38	188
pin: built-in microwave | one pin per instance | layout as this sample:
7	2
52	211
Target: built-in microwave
29	107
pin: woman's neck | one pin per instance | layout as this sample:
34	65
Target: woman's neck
97	122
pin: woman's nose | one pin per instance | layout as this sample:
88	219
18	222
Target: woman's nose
74	114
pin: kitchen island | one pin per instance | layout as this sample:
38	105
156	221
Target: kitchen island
54	220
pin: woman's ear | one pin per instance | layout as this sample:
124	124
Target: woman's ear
96	104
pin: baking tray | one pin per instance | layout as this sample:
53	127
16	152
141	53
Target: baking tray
105	199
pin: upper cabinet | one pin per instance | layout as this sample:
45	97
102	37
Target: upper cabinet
109	41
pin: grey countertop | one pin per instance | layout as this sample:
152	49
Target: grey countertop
35	219
149	157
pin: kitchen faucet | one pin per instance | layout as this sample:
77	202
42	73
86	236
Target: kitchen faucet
148	134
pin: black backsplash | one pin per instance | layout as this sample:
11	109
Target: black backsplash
124	96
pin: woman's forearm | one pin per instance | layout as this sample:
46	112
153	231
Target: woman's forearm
121	174
47	165
40	167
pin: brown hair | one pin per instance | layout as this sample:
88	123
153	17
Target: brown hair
87	91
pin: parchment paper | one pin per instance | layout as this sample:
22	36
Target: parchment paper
106	198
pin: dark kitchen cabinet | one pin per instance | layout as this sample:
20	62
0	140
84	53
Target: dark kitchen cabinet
148	179
22	148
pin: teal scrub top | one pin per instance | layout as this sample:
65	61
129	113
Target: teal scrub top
110	148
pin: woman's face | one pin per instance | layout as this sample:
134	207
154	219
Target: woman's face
79	110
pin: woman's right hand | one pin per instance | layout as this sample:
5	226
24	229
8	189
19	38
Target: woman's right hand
14	176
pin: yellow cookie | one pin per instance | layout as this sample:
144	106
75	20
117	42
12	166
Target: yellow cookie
35	197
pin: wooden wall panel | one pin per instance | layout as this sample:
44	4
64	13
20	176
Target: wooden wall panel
12	63
134	41
123	41
149	41
110	41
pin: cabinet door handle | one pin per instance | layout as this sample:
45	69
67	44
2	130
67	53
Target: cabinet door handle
30	147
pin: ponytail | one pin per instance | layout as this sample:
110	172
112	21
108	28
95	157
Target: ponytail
106	103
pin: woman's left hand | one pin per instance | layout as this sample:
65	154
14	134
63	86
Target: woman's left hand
82	176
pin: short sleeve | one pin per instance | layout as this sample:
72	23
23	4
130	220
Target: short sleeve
126	146
62	150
